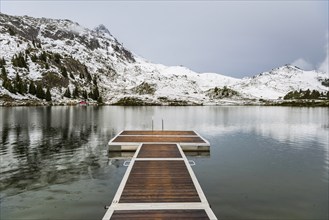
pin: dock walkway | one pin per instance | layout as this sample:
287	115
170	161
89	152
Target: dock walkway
159	184
130	140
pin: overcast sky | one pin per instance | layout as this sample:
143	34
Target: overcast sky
235	38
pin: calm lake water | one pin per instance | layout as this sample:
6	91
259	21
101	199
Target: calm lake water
265	162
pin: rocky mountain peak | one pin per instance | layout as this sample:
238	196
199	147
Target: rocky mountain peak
102	29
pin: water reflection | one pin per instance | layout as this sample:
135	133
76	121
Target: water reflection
48	145
53	150
39	142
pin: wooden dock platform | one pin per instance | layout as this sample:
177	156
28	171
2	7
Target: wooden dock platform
159	184
127	141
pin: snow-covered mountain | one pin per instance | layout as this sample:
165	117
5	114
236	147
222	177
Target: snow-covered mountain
61	54
279	81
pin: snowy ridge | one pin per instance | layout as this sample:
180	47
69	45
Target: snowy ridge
119	73
278	82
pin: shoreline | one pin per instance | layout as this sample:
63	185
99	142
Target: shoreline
290	103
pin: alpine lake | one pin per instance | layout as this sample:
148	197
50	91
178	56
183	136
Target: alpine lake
264	162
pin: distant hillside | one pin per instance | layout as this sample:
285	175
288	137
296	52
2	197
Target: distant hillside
61	61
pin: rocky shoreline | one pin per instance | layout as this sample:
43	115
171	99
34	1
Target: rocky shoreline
128	101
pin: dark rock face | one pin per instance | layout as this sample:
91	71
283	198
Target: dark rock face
123	52
102	29
144	89
19	27
51	80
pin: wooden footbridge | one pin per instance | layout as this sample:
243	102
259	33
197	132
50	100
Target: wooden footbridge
159	182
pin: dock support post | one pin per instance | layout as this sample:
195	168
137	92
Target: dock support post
162	124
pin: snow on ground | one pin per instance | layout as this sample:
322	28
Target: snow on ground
118	76
280	81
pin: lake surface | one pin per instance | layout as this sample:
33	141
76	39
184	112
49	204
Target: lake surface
265	162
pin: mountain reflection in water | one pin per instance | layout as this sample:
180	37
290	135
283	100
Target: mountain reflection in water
265	162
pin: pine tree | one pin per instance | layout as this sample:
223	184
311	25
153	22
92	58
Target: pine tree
4	76
4	83
76	92
32	89
3	73
84	94
2	62
9	86
88	74
57	58
315	94
91	95
48	95
34	58
47	66
67	93
20	87
18	84
95	93
307	94
39	91
17	78
64	71
43	57
100	100
11	31
19	61
25	90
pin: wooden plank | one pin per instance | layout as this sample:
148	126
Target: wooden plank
158	133
159	151
160	214
158	139
159	181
